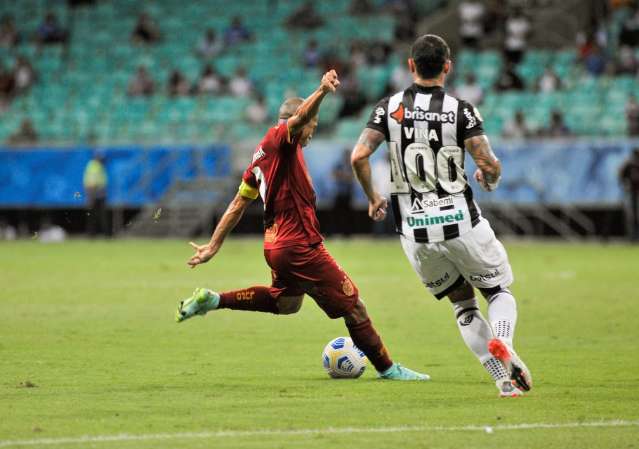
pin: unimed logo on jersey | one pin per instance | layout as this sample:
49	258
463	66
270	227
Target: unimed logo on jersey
427	220
420	115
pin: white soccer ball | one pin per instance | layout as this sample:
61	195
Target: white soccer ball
342	359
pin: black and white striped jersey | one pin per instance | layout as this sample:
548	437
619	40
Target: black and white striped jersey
425	129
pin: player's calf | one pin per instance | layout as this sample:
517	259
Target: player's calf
368	340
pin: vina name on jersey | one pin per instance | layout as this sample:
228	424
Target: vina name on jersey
425	129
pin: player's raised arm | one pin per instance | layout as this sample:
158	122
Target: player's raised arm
368	142
231	217
310	107
488	171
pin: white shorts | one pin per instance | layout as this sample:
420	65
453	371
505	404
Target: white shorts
476	256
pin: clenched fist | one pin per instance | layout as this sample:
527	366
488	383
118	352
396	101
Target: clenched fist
329	81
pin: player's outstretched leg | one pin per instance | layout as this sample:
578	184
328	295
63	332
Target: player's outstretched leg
476	333
368	340
256	299
502	313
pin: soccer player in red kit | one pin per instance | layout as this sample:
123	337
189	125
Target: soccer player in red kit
293	246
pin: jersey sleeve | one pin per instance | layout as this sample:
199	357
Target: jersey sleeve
470	120
281	138
249	178
378	120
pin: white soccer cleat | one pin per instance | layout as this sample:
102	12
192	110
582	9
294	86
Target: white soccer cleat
507	389
519	372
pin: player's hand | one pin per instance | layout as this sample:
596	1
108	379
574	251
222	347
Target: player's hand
377	208
329	82
479	177
203	253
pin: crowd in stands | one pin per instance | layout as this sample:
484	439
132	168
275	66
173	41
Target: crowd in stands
598	51
483	25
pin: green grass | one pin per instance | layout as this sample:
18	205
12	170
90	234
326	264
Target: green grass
91	325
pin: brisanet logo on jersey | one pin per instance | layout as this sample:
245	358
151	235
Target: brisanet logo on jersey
427	220
420	115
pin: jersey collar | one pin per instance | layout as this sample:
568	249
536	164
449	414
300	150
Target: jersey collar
427	90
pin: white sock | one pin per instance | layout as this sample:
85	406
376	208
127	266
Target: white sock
476	333
502	313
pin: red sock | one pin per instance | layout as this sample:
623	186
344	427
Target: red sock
256	299
368	340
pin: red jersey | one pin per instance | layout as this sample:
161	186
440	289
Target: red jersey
279	172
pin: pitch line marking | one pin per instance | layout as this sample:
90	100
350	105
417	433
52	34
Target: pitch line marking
293	432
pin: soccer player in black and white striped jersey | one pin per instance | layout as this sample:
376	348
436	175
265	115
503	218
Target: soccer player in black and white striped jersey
449	244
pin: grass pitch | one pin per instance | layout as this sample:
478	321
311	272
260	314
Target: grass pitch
88	347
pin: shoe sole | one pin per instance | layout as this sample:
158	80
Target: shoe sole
500	351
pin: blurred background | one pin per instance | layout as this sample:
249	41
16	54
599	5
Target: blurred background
133	118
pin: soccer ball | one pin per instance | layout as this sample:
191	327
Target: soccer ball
342	359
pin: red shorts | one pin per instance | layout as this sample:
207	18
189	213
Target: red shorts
311	269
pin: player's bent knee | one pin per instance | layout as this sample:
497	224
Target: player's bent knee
288	305
358	314
490	293
462	293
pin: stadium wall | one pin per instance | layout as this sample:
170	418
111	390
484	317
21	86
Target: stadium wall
576	174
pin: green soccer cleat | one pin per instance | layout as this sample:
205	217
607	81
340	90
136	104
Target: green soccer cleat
201	302
398	372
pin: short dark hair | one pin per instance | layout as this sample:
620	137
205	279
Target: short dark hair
430	52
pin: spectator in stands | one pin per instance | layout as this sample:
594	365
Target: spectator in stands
306	16
342	217
469	90
312	54
400	78
7	232
209	46
361	8
141	84
354	100
23	74
557	127
95	188
595	62
9	36
178	85
517	30
629	178
236	33
405	25
494	17
146	30
516	128
25	135
357	54
256	112
629	34
50	31
548	81
471	28
377	53
509	79
240	84
626	61
7	87
210	82
632	116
